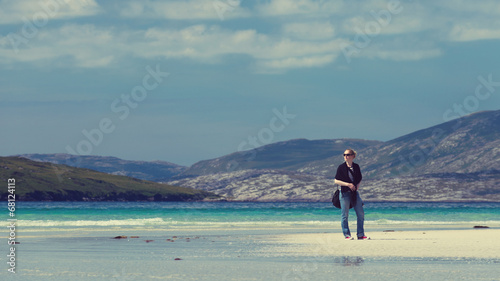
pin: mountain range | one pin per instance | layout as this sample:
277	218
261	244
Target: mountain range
467	145
454	161
157	171
457	160
290	155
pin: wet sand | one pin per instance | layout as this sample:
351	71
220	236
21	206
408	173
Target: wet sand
255	254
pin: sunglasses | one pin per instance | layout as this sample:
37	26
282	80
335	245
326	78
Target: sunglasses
349	154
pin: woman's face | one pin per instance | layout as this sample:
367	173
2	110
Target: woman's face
348	155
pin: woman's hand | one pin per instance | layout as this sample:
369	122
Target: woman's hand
352	186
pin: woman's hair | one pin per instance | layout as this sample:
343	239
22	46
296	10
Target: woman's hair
352	151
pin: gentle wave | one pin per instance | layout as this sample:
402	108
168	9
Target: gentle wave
127	222
172	223
158	222
384	222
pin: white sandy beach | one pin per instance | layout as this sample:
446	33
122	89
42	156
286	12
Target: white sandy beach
257	254
470	243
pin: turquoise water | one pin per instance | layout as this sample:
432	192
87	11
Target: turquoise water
226	241
81	214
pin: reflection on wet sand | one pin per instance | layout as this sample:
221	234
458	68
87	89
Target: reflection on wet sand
349	261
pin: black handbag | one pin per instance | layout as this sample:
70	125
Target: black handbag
336	200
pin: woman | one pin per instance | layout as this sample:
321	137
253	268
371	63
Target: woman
349	178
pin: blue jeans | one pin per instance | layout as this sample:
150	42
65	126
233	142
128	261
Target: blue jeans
345	201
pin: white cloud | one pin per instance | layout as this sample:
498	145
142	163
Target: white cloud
212	43
391	19
291	34
474	32
181	10
91	46
222	9
39	12
401	49
298	7
472	21
191	9
282	65
83	45
403	55
401	24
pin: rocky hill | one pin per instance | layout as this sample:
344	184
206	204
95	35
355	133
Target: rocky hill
467	145
279	185
37	181
290	155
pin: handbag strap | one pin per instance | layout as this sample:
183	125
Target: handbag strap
352	173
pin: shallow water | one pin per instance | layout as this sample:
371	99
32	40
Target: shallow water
216	255
179	214
226	241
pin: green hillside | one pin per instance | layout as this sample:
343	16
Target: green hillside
39	181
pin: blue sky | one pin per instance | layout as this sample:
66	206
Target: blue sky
184	81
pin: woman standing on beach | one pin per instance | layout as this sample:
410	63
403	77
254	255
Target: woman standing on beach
349	178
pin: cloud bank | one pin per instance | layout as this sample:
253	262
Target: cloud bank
278	35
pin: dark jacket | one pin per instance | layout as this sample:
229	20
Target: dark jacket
343	175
